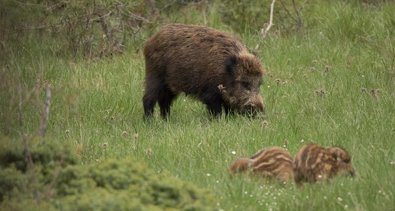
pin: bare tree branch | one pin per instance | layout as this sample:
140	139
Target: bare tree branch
26	139
297	18
45	114
299	21
104	26
265	30
28	156
286	10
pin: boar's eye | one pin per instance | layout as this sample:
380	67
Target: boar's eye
230	64
246	85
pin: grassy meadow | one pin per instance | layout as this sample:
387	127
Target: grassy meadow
331	83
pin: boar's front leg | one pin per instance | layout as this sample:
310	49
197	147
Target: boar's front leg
213	100
227	109
214	105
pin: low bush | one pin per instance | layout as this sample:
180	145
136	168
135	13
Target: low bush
55	181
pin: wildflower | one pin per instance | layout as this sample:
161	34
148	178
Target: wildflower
124	134
327	68
265	124
148	151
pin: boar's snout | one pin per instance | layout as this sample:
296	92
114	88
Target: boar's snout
254	105
346	170
249	103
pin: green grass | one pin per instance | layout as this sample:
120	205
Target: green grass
318	89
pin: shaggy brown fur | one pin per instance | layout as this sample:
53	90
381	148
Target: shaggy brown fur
208	64
314	163
274	162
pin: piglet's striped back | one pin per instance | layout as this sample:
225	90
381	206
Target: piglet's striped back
273	162
314	163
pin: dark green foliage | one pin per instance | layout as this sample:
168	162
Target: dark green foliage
242	16
98	28
48	155
125	185
56	182
89	28
16	177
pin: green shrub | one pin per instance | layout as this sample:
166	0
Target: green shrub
57	182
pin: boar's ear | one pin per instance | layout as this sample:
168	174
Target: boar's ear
230	63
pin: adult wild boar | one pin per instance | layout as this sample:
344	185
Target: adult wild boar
210	65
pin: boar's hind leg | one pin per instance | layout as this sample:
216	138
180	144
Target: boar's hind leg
166	97
153	86
149	104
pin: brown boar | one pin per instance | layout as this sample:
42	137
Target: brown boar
209	65
273	162
314	163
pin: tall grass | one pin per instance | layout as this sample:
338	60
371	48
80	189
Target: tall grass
333	84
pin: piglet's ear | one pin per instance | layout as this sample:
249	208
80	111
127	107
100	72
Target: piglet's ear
230	64
333	153
337	153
